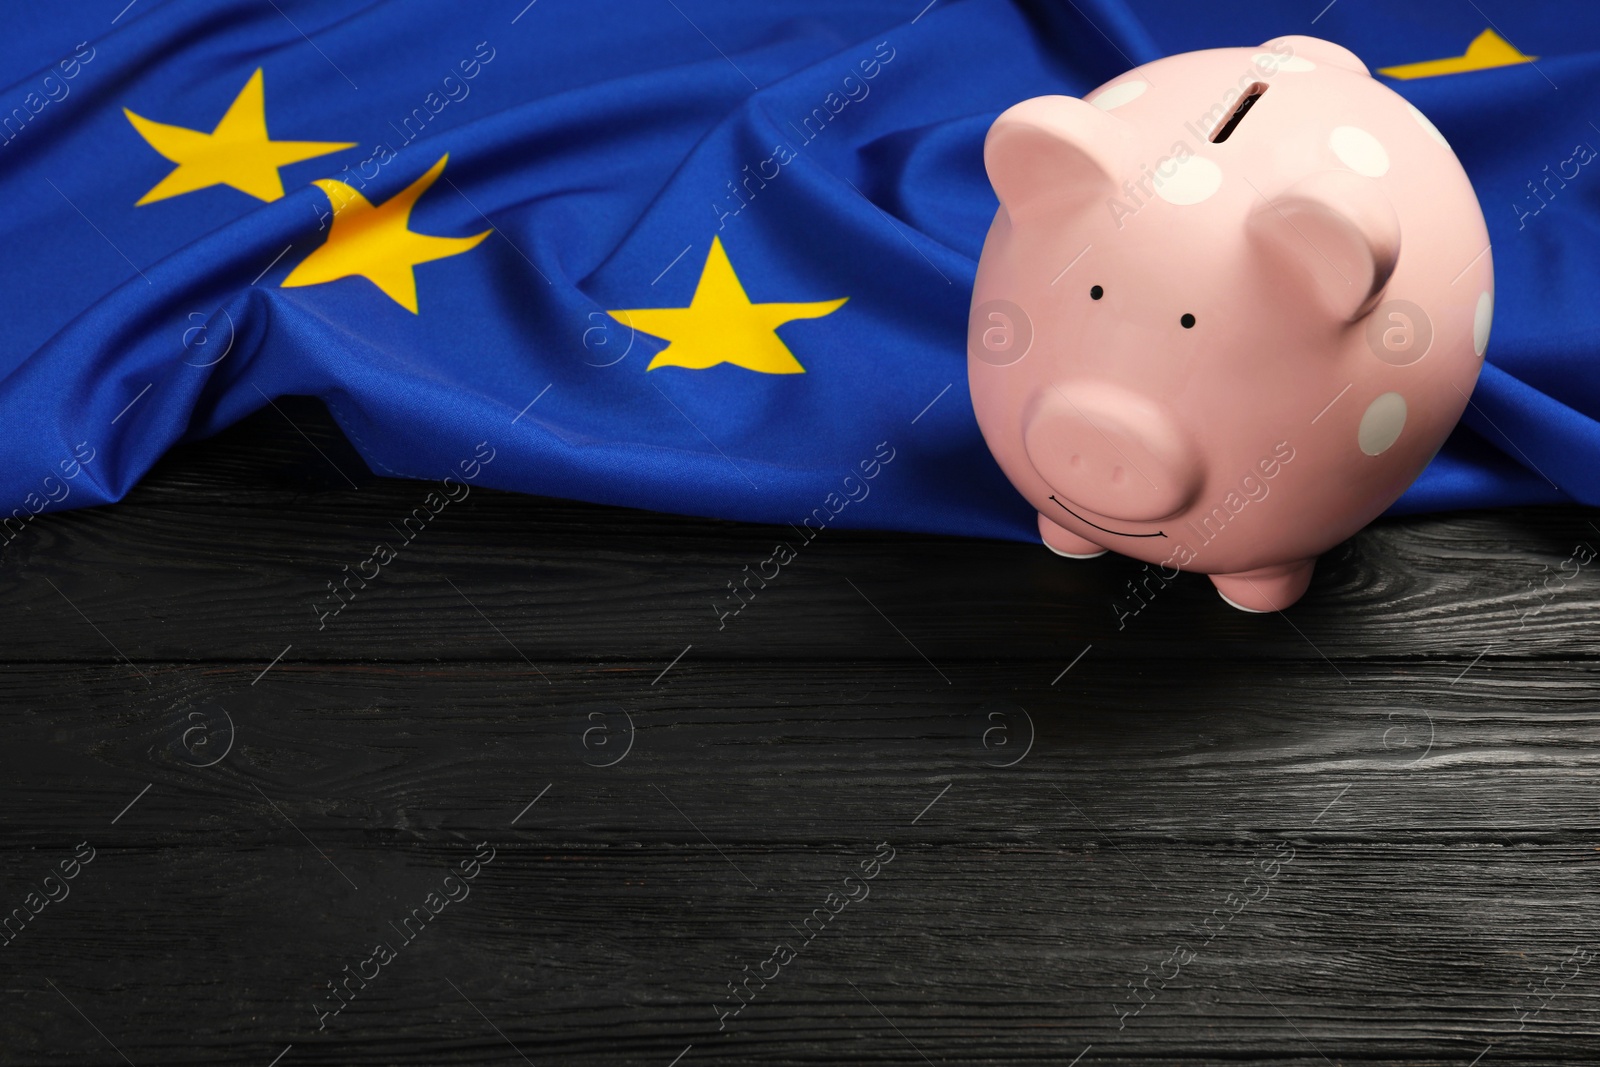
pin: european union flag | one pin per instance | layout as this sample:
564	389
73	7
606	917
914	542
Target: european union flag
703	256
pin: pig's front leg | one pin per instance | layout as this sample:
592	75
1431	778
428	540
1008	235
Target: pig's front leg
1267	589
1064	542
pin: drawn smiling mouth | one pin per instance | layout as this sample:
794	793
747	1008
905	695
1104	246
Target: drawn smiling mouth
1097	526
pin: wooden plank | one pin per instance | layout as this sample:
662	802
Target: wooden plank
1504	757
1076	869
170	577
1004	955
1059	824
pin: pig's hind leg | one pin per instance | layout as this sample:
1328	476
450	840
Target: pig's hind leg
1064	542
1267	589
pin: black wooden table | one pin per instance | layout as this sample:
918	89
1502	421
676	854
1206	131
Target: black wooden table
526	799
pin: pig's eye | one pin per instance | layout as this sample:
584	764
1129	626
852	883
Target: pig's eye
1187	321
1096	293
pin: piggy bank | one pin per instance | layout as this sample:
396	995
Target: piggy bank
1231	305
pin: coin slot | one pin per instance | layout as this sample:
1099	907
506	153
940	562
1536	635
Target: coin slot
1254	93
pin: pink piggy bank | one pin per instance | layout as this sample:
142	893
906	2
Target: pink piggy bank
1230	307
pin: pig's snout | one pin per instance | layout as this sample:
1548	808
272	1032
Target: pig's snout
1112	451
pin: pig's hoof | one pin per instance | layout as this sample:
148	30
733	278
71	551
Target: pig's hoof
1267	589
1066	543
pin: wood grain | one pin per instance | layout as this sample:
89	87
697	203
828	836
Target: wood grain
575	582
1420	741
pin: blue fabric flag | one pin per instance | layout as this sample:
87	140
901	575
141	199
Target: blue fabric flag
702	256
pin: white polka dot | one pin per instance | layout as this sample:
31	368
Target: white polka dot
1427	124
1381	425
1481	320
1192	180
1272	61
1120	94
1360	151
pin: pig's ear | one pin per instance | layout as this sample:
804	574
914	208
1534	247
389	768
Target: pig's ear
1312	50
1052	151
1333	234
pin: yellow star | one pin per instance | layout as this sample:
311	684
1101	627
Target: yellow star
1487	51
237	153
376	243
721	325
